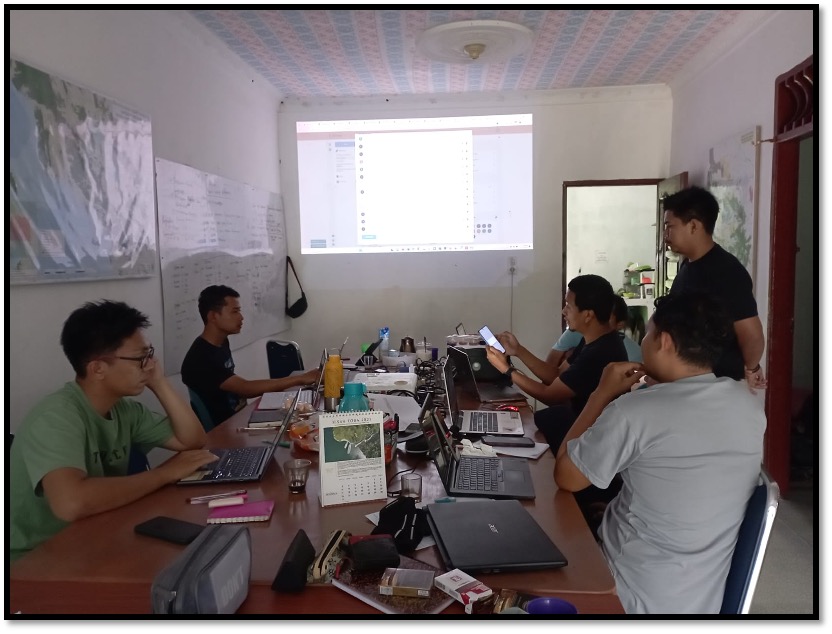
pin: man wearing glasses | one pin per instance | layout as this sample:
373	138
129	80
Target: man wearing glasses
69	459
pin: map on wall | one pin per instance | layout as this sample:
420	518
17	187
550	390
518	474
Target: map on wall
732	178
213	230
80	189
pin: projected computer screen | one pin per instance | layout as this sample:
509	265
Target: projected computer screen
419	184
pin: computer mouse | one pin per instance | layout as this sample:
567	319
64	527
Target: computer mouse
512	408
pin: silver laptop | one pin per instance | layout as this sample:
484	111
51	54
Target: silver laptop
270	409
491	536
472	421
486	392
241	464
475	476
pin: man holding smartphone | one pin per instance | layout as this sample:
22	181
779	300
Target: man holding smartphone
588	304
587	308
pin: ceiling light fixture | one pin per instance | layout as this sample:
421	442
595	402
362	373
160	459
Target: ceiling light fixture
474	40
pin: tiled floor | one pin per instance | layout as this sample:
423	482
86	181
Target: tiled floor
787	579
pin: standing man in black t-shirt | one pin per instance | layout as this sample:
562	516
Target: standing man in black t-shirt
208	367
689	219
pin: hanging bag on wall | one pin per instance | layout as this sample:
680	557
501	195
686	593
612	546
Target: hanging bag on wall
299	307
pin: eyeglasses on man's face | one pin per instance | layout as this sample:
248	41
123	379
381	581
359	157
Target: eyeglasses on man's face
142	359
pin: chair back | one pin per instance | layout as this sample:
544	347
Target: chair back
751	547
138	461
201	410
283	357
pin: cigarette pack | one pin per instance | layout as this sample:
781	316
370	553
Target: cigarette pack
406	582
462	587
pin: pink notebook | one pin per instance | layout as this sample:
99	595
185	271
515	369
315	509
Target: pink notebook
249	512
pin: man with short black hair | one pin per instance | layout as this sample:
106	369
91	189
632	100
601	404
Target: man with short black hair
208	367
70	456
688	451
588	304
690	216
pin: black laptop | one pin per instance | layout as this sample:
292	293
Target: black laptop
484	536
477	421
486	392
475	476
241	464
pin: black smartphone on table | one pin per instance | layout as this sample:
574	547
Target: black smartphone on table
508	441
170	529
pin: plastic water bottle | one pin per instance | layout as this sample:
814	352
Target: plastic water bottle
354	399
384	335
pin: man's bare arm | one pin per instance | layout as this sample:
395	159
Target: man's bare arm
73	495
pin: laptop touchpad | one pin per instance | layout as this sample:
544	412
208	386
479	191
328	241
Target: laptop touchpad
514	476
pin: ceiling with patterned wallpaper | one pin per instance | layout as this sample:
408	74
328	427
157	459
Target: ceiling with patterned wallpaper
339	53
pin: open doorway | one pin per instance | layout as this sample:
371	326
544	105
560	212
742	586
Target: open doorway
610	229
614	229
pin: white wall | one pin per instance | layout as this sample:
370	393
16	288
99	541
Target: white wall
614	133
731	95
206	111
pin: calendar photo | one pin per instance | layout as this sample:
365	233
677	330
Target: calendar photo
352	457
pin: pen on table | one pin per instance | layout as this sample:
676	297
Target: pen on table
202	499
269	428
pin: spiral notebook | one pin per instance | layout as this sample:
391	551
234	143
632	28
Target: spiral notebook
249	512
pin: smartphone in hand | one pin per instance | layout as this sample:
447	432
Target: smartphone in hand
490	339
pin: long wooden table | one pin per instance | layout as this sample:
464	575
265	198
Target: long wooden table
98	565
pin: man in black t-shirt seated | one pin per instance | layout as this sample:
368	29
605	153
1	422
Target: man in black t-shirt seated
587	308
208	367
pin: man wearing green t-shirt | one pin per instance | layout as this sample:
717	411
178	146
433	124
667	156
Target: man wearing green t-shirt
70	455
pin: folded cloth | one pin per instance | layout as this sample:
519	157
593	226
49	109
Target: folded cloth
478	448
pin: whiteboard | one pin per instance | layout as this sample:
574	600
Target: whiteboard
213	230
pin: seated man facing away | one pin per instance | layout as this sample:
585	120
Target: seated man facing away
208	367
70	455
688	450
618	321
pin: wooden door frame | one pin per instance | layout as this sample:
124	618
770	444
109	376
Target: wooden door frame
794	97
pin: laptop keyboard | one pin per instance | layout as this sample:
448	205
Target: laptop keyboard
478	474
484	422
238	463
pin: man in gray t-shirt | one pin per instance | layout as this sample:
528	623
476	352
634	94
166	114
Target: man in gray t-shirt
688	450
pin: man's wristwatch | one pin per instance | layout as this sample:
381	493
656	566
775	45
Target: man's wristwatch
753	370
508	372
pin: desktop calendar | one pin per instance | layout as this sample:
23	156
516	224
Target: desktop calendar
351	457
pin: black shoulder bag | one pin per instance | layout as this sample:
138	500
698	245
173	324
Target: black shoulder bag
299	307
